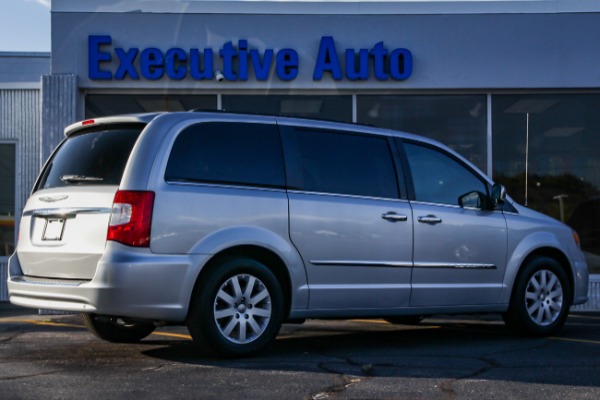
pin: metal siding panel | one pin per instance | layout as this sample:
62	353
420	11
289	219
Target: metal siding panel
59	109
20	124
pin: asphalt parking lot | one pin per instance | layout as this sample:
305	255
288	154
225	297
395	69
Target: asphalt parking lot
463	357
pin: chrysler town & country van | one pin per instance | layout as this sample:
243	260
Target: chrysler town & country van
233	224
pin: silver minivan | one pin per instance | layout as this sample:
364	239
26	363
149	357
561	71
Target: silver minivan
233	224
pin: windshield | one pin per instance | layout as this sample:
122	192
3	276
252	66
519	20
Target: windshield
95	157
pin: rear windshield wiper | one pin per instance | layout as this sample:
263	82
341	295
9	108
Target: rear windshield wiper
80	178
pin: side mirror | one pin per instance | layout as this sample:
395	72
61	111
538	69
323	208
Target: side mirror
472	200
498	195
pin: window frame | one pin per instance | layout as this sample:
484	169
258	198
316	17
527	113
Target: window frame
400	142
174	181
45	171
295	176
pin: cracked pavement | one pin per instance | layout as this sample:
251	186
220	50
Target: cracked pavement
462	357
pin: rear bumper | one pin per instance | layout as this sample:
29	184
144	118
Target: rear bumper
128	282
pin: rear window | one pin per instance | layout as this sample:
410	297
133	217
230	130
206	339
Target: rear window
96	157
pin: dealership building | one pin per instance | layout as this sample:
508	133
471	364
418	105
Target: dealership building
514	86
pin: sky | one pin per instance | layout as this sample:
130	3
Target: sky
25	25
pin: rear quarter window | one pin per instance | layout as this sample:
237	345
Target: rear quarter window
247	154
93	157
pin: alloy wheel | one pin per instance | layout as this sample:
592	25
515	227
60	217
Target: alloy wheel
544	297
242	308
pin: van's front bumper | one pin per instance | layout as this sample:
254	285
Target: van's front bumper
129	282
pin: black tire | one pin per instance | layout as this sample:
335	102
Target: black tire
540	300
405	320
237	310
117	330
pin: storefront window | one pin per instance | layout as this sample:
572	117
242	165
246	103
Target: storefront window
457	121
99	105
334	108
7	199
545	150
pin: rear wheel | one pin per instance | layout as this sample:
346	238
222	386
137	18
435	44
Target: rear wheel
115	329
541	299
238	309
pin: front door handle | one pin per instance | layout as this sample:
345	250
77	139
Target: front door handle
392	216
429	219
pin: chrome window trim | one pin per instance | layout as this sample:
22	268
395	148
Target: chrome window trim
345	195
224	186
424	203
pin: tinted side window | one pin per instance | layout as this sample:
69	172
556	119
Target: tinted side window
345	163
235	153
92	158
439	178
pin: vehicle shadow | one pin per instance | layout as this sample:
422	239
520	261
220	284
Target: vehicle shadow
442	349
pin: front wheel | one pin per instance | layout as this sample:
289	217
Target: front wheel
541	299
115	329
238	309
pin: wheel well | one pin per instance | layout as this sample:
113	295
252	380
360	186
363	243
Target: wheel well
265	256
556	255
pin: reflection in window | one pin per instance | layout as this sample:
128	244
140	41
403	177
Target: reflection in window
333	108
460	122
545	151
346	164
100	155
437	178
7	199
241	154
100	105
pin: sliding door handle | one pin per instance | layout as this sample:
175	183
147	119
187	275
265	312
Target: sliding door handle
429	219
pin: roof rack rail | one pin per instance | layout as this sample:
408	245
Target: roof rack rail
286	115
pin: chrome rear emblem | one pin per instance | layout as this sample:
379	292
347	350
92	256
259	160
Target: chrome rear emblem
52	199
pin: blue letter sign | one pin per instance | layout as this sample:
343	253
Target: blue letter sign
239	62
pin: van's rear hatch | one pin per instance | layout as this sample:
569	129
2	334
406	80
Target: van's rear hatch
65	221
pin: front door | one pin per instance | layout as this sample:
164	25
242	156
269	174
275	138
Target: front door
459	252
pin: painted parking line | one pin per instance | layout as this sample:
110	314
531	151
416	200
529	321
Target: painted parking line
188	337
63	325
583	316
563	339
44	323
173	335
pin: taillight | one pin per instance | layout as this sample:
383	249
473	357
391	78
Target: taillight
131	218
